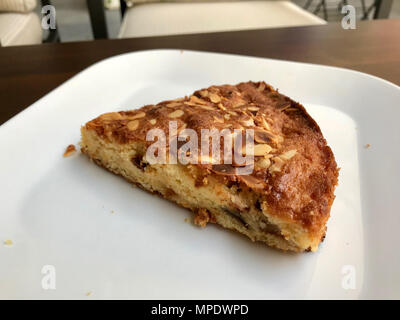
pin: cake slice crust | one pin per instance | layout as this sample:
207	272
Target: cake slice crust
284	202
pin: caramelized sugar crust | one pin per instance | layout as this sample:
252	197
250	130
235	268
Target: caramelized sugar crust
295	170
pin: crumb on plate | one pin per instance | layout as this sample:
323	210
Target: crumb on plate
70	150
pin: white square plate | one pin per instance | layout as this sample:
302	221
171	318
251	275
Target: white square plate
100	235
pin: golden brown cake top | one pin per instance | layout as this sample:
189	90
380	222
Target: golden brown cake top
295	171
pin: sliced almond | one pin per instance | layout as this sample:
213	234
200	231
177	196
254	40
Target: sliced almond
263	163
153	121
253	108
207	108
221	106
197	100
193	104
224	169
207	160
204	93
288	154
227	116
251	182
284	107
276	166
266	124
248	123
261	149
262	136
136	116
291	109
214	97
261	86
238	103
173	104
278	139
217	119
111	116
233	113
176	114
182	127
133	125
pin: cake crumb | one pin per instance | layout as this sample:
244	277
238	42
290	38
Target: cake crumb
112	212
70	150
88	294
8	243
367	146
201	218
186	219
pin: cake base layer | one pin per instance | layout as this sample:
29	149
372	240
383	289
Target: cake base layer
210	200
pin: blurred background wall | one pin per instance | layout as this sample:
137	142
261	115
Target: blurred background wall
74	23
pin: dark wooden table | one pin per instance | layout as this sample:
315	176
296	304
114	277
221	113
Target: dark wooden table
28	73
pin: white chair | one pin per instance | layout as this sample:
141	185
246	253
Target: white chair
19	25
146	19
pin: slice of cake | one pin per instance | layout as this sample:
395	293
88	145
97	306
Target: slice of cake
270	177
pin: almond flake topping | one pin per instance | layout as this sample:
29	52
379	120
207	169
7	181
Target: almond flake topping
261	87
277	165
221	106
262	149
288	154
192	104
182	127
214	98
197	100
238	103
173	104
265	124
263	163
217	119
204	93
207	108
133	125
207	160
111	116
253	108
283	108
176	114
248	122
136	116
